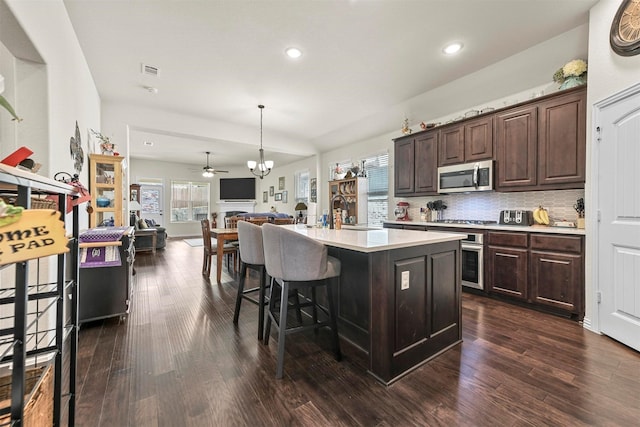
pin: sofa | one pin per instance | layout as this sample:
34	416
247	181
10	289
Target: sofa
143	239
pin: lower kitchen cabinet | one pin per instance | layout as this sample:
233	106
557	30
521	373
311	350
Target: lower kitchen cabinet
541	269
557	272
508	263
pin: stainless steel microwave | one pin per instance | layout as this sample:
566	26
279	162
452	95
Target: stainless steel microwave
466	177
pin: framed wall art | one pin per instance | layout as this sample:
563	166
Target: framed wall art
277	197
271	191
314	190
285	196
265	196
281	183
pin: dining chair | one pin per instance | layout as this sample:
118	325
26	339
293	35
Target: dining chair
295	261
211	248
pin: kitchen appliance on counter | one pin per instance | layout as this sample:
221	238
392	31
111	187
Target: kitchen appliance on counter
467	177
516	217
402	211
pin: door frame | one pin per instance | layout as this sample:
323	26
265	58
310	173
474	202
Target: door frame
592	227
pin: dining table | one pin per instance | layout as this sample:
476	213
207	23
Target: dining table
222	235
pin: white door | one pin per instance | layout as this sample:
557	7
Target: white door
151	201
618	199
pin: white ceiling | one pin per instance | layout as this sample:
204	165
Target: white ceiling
363	61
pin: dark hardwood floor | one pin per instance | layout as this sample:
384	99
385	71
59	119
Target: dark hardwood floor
178	360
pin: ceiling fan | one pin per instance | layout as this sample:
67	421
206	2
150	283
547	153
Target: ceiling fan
209	171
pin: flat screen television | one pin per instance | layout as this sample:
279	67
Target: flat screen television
237	188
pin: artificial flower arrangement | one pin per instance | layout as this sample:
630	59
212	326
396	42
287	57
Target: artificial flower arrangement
574	68
106	146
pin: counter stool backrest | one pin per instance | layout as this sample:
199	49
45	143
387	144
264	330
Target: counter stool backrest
251	248
292	256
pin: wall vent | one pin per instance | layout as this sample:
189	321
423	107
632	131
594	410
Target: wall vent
150	70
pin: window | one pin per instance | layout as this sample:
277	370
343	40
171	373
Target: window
377	170
301	183
189	201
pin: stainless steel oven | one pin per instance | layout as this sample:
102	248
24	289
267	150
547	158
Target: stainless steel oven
472	261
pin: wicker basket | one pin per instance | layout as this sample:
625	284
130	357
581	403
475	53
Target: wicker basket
38	400
42	203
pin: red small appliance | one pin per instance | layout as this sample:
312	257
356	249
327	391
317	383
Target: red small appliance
402	211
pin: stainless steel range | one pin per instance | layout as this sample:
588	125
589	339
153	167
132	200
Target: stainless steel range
472	253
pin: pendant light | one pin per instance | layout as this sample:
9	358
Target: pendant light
261	168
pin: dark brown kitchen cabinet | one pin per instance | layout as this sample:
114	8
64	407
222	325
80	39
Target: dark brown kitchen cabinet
517	144
451	149
468	142
404	166
542	269
508	264
541	145
562	125
415	165
557	272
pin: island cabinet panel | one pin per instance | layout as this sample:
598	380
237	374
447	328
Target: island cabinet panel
411	313
353	297
516	142
443	296
410	326
562	140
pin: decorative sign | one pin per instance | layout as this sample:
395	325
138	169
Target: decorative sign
38	233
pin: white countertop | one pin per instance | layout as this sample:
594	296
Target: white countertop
374	240
499	227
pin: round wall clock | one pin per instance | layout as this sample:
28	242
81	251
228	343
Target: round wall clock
625	29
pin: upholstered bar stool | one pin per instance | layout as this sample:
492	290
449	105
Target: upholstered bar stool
297	262
251	257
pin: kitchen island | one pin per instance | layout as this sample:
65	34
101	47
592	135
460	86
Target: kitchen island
399	298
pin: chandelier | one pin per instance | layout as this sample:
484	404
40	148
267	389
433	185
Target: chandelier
262	167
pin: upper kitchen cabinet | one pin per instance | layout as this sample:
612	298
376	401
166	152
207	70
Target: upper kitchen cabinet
541	145
466	142
517	143
562	123
416	165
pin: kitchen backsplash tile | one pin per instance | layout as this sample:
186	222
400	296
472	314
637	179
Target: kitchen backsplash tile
487	205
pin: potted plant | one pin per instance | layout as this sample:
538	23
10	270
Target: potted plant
579	207
572	74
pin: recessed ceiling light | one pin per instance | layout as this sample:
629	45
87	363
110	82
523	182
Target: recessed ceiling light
151	89
293	52
148	143
452	48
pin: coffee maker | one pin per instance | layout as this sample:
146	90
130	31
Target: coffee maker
402	211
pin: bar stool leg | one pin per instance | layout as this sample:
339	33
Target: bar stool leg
243	274
282	328
334	323
261	298
267	327
314	309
